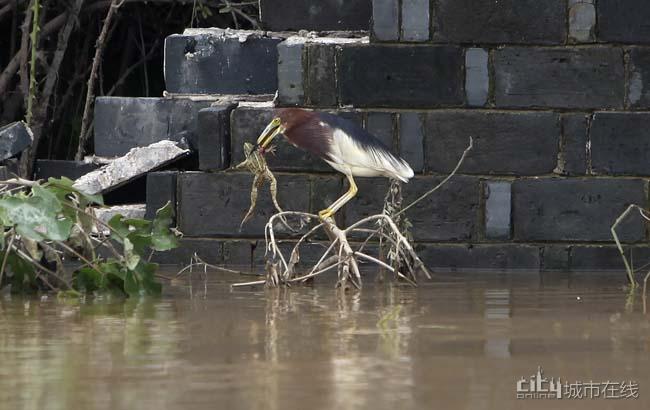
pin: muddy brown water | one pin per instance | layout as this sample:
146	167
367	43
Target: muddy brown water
460	342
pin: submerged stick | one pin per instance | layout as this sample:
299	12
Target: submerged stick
628	268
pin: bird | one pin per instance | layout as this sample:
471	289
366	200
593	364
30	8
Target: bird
344	145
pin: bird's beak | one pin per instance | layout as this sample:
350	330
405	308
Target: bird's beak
274	128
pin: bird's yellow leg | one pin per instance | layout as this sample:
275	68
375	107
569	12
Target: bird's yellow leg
331	210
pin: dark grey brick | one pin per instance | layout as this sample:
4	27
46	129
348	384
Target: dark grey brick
210	250
368	201
477	77
411	139
214	204
320	81
484	258
620	143
498	199
248	123
576	209
161	188
326	189
638	91
52	168
415	20
317	15
385	20
425	76
582	22
448	214
214	137
14	138
240	253
215	61
572	159
623	21
504	142
607	258
122	123
290	71
559	77
504	21
555	258
380	124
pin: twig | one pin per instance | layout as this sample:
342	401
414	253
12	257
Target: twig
4	260
444	181
43	268
31	94
80	256
253	283
129	70
90	94
628	269
39	113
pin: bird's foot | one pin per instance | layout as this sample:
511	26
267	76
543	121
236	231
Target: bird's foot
325	213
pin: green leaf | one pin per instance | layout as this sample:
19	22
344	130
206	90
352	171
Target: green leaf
141	243
49	198
34	220
87	280
131	286
131	258
65	184
147	274
163	239
139	224
23	274
120	227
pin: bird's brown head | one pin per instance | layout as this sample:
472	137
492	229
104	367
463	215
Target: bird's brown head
286	121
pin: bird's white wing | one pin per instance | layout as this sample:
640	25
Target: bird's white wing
346	151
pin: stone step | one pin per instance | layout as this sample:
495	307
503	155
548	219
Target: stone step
123	123
432	141
51	168
218	61
249	255
466	209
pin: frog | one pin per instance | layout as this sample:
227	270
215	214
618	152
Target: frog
256	164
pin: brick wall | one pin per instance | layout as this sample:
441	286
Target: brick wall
554	94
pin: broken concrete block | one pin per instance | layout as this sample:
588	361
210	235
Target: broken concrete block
53	168
14	138
105	214
127	211
217	61
136	162
122	123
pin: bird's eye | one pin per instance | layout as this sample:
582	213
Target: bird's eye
276	121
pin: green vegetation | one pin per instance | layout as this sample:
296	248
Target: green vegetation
46	224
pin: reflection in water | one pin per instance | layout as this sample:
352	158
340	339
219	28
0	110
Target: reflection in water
448	344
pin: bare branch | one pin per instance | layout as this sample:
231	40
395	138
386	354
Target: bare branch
90	94
444	181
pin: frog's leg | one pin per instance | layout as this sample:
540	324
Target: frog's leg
257	181
274	190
